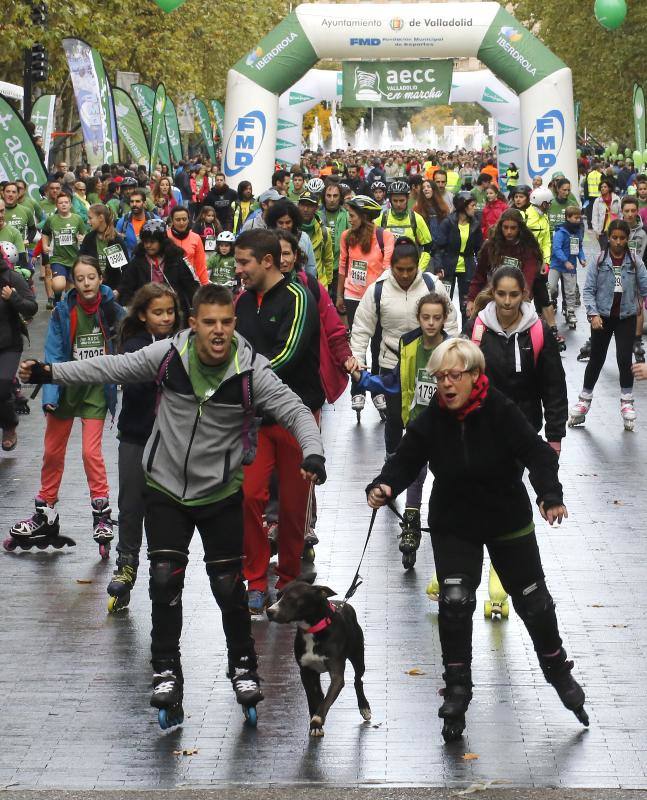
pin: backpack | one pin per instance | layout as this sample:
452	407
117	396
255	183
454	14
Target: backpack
412	221
248	433
536	336
379	288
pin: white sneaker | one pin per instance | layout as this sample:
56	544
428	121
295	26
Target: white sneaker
357	402
379	401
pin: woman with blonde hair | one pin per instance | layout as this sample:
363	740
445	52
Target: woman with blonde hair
162	195
105	244
476	442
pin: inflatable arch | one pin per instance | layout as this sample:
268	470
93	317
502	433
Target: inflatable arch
396	30
480	86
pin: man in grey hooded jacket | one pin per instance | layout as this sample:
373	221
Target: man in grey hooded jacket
211	385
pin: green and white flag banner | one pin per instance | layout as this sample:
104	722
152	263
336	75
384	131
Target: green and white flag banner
219	116
19	158
392	84
42	115
158	124
639	116
173	131
131	127
379	32
106	106
205	127
144	99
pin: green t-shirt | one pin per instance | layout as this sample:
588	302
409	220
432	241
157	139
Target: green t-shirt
464	230
33	206
425	383
48	207
63	232
20	217
205	381
480	195
221	268
557	212
93	198
86	402
10	234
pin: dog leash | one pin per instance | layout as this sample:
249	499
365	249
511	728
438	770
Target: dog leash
357	580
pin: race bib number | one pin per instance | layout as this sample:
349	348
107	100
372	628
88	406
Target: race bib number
575	245
398	231
425	387
633	246
358	270
210	244
511	261
66	238
617	278
221	275
88	345
116	256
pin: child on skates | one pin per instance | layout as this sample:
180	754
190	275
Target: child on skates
416	387
153	314
568	248
221	265
612	296
82	325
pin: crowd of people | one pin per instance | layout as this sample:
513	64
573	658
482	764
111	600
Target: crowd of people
230	316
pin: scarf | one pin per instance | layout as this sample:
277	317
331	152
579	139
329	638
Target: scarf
182	235
474	401
89	307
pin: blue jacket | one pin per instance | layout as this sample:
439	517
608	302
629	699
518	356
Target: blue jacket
561	252
58	342
125	228
600	282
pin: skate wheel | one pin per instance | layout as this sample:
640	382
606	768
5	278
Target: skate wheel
10	544
113	605
487	609
583	717
42	545
408	560
505	610
168	718
453	729
309	555
359	416
251	717
104	551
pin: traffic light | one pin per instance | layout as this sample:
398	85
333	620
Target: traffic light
39	14
38	62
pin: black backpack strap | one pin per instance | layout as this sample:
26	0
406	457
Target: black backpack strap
377	296
414	222
379	235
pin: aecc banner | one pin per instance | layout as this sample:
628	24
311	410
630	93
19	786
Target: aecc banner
397	83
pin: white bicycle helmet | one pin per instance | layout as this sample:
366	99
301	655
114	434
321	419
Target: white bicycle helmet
11	252
225	236
399	187
315	185
541	195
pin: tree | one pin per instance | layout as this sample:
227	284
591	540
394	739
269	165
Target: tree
604	64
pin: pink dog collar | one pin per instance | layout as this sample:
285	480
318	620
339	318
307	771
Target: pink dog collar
323	623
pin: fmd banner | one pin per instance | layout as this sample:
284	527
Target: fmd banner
397	83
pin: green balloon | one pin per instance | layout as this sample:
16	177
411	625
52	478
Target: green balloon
638	158
578	152
169	5
613	148
627	152
644	156
610	13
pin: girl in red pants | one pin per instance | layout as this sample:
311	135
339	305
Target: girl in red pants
82	325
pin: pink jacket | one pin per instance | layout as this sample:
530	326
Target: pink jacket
333	341
364	268
491	213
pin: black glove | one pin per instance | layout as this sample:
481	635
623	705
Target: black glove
39	374
315	465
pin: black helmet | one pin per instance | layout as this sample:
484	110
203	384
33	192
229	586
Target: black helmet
522	188
399	187
365	205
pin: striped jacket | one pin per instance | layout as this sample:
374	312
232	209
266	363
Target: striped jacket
283	325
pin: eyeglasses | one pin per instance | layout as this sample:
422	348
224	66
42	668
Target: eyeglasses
454	376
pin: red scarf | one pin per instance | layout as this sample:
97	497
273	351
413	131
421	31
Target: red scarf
474	401
90	307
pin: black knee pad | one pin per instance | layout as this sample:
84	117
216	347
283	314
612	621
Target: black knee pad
534	602
166	578
457	599
227	585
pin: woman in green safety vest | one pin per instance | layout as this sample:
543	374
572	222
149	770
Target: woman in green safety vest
512	176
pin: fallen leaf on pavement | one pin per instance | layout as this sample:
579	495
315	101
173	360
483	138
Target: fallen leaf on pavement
189	752
415	671
470	757
83	580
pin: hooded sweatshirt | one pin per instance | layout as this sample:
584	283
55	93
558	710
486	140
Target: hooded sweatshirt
531	380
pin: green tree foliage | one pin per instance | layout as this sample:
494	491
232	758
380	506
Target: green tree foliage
604	64
190	49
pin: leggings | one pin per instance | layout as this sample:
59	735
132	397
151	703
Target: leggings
132	489
414	491
57	433
518	564
624	331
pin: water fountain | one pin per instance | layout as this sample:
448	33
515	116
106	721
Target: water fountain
338	140
362	140
315	139
385	137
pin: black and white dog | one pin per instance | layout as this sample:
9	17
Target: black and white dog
327	634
